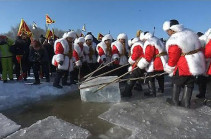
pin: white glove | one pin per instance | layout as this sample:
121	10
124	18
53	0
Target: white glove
78	63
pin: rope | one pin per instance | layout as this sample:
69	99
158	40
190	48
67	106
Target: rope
98	69
143	78
105	73
161	54
122	80
191	52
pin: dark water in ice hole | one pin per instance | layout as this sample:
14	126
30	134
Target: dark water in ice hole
68	107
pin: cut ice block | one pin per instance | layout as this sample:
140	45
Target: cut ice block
7	126
51	128
110	93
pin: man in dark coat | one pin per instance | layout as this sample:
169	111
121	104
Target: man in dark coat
20	51
38	56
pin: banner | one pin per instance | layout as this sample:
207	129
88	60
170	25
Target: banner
24	29
49	20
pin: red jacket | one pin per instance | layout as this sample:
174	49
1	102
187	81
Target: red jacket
178	61
59	50
118	52
136	52
102	53
208	55
77	52
184	54
151	61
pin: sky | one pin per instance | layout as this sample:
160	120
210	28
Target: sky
102	16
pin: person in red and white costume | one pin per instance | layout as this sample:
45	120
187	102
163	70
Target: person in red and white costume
136	53
120	52
208	57
153	61
63	59
90	53
201	80
78	54
186	60
104	52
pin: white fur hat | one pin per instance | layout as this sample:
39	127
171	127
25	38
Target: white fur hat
107	37
80	39
145	35
130	43
88	37
64	35
208	32
173	25
71	34
136	39
122	36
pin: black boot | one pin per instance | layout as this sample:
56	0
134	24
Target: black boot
138	86
47	79
175	94
152	89
64	79
186	96
57	79
161	87
202	90
72	79
128	89
200	95
37	81
161	84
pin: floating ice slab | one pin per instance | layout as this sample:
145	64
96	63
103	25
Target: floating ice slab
51	128
110	93
7	126
154	118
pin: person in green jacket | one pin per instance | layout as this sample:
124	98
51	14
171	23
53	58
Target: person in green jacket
6	58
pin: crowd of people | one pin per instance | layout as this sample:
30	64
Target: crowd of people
184	56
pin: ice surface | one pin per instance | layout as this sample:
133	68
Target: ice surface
51	128
7	126
116	132
154	118
110	93
18	93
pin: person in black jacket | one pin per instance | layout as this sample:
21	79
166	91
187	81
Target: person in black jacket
20	52
38	56
48	45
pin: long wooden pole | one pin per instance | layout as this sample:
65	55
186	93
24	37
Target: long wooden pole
98	69
105	73
114	80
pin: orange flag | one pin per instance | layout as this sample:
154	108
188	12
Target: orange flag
100	36
23	28
49	34
49	20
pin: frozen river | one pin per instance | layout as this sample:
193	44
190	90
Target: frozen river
138	117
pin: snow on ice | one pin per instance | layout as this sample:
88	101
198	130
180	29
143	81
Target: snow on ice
18	93
51	128
7	126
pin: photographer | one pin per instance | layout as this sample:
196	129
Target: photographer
38	56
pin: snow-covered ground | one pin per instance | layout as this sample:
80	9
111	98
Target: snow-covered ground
16	93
